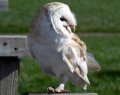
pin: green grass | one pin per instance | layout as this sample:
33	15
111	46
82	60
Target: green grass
92	15
106	82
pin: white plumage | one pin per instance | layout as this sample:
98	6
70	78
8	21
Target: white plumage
57	49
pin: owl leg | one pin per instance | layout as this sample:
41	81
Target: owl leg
60	88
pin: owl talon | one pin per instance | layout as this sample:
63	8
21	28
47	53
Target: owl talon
50	90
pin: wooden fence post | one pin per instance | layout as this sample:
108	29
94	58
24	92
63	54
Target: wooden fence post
9	67
4	5
12	48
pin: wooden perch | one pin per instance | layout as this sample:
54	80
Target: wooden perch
63	94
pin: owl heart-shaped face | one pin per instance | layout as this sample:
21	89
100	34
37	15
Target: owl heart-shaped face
66	18
61	17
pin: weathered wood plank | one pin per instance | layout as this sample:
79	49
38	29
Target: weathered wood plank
63	94
13	45
8	75
4	5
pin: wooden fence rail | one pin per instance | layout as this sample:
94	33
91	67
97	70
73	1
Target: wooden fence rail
13	45
12	48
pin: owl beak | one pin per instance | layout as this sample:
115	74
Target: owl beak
70	28
73	28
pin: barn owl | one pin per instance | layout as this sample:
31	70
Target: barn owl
57	49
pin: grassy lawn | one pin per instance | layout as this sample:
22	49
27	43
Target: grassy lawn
92	15
106	82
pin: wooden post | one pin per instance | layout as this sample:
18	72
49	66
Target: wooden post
9	67
12	48
3	5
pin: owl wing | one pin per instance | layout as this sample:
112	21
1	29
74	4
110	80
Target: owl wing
73	55
92	64
69	55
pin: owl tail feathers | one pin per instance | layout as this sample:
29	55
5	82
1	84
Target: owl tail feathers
79	81
92	64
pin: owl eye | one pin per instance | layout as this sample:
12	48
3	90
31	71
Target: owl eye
63	19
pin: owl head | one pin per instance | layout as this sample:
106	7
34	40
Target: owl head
56	18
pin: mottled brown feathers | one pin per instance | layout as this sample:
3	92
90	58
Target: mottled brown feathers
53	5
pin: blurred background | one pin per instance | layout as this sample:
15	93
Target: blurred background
98	26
